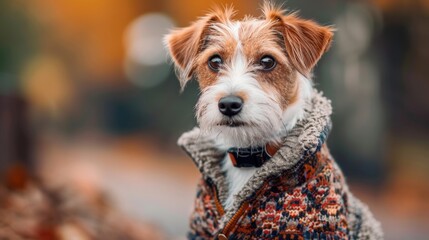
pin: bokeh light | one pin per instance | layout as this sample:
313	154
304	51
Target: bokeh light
146	58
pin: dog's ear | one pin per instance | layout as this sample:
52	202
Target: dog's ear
184	45
305	41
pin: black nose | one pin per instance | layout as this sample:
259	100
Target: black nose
230	105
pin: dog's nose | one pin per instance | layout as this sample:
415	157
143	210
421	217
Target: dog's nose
230	105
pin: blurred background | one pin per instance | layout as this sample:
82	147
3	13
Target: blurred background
90	111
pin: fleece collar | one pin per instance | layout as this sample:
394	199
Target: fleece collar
305	138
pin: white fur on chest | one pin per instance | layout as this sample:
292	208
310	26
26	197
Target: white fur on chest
236	179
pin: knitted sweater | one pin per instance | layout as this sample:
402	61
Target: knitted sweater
300	193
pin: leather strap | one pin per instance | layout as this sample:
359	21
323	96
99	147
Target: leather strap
251	156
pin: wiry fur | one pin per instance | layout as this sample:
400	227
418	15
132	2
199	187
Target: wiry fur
273	101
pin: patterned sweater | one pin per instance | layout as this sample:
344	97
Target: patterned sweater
300	193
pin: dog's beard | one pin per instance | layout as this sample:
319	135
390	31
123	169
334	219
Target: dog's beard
243	136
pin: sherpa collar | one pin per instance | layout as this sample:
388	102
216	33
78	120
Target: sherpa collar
306	137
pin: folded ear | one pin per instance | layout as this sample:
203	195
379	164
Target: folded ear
184	44
305	41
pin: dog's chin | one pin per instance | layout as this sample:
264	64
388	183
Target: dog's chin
240	134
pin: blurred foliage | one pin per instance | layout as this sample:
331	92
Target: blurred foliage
18	41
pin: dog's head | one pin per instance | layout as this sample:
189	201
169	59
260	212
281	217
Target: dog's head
254	74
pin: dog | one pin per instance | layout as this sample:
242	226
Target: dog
261	142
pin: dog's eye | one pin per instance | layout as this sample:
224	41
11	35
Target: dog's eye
267	63
215	62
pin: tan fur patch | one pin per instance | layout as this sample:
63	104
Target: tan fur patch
243	95
225	50
305	40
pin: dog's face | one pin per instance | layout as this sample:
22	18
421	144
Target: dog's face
253	74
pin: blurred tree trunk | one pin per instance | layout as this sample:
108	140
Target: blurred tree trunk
16	156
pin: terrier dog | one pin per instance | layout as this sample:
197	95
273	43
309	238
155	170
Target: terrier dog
260	145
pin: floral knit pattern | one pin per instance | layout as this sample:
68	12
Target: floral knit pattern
205	216
308	203
315	209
